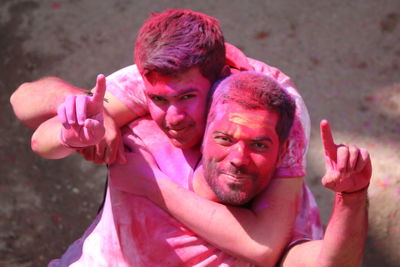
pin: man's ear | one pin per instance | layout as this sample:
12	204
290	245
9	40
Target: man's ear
225	71
282	151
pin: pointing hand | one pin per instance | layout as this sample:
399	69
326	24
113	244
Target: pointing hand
82	117
348	168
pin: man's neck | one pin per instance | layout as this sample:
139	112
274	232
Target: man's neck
192	156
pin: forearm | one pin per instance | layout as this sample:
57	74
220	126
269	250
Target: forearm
258	235
118	111
346	232
45	140
344	240
36	102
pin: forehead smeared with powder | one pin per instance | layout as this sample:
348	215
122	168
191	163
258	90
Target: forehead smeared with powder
230	111
254	91
252	121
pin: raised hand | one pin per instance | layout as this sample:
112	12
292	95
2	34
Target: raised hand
110	149
82	117
348	168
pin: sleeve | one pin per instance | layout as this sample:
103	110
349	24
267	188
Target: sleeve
308	224
294	161
127	85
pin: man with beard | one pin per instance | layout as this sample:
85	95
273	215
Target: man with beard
246	135
175	69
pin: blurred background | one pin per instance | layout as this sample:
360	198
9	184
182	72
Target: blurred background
344	57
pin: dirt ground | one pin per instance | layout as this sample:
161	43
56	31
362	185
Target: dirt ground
344	56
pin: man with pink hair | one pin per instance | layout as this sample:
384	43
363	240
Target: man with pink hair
171	83
248	123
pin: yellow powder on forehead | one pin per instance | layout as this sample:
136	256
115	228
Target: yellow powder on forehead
251	121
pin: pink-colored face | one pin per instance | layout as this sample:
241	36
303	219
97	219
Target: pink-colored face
240	152
178	105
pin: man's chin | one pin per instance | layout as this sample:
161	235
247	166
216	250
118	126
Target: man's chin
231	193
234	199
183	144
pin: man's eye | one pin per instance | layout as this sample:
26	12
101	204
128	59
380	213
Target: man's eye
186	97
223	140
259	146
156	98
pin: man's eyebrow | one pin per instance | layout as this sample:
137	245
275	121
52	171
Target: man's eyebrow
259	139
262	139
219	132
184	92
153	95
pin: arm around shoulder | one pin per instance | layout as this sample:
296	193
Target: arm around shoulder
37	101
46	142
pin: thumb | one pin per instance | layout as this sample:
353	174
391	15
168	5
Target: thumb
93	131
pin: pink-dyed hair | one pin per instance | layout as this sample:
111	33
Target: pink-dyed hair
254	90
173	41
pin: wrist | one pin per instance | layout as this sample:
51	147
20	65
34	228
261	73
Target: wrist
356	197
359	191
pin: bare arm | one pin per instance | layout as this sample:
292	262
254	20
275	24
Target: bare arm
348	173
256	235
79	124
45	96
35	102
46	143
343	243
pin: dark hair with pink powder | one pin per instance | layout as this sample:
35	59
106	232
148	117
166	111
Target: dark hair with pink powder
254	90
173	41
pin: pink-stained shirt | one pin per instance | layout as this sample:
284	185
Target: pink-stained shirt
133	231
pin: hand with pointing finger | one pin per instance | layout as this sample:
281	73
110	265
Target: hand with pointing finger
348	168
82	117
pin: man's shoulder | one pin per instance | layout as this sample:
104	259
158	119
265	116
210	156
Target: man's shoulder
235	58
130	72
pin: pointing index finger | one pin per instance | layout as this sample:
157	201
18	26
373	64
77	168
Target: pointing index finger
327	140
100	89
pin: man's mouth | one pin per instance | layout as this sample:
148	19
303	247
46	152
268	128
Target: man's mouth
237	176
174	131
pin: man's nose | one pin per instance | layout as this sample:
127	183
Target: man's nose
238	155
174	115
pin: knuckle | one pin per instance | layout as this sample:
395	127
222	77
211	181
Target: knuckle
364	152
353	149
343	149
